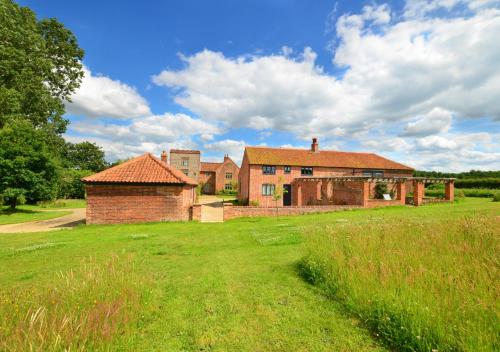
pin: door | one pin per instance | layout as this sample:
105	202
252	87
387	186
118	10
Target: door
287	196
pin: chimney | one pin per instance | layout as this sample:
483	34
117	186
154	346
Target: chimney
226	157
314	145
164	156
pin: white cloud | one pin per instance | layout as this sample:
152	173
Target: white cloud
435	121
101	96
228	146
395	72
147	134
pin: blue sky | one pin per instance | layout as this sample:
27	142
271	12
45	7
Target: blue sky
406	79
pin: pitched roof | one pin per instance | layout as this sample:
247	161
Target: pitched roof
184	151
322	158
209	167
142	169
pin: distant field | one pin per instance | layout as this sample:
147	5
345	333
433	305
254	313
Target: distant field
235	286
467	192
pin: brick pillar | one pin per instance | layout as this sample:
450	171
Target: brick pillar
299	195
449	191
365	193
418	192
319	185
401	192
196	212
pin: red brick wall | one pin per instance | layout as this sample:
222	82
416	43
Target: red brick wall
113	204
220	175
231	212
208	181
251	180
243	181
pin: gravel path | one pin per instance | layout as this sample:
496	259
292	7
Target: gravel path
64	222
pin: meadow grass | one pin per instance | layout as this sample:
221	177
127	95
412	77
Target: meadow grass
19	215
56	204
230	286
421	284
467	192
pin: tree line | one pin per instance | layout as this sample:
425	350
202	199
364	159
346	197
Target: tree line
40	68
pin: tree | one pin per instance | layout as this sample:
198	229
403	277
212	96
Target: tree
40	67
27	168
279	191
84	156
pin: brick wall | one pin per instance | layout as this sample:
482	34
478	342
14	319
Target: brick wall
113	204
251	180
220	176
231	211
208	181
193	160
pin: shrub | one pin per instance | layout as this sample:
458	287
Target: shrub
496	198
70	185
490	183
380	190
254	203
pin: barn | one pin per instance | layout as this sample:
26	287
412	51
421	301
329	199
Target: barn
139	190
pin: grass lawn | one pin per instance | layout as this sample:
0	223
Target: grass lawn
25	214
57	204
233	286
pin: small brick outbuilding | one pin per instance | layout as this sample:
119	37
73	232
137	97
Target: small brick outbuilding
139	190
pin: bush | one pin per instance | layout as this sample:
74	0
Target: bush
496	197
485	183
254	203
380	190
226	192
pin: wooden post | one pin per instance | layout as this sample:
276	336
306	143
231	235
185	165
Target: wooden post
449	190
418	192
401	192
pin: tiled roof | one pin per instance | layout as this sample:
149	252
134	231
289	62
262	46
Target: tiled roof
209	167
322	158
182	151
142	169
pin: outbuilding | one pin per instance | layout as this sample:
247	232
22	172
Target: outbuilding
139	190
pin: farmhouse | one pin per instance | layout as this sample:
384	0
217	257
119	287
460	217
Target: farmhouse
216	177
188	161
316	177
142	189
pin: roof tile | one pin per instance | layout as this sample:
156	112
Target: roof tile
322	158
142	169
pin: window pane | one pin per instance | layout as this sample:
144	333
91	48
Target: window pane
268	170
287	169
306	171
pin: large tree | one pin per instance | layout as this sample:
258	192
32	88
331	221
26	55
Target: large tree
84	156
40	67
28	170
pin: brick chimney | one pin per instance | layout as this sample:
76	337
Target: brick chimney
226	157
314	145
164	156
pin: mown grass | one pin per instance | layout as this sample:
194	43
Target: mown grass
230	286
8	216
421	284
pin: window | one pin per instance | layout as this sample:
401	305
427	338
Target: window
185	161
228	187
268	189
269	170
373	173
306	171
229	175
185	172
287	169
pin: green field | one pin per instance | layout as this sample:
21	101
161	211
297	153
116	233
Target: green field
234	286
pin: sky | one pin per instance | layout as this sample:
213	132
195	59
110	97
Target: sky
417	81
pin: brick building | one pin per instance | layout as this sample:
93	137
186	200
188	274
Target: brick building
216	177
139	190
263	169
188	161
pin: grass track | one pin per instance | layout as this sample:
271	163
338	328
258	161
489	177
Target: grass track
211	287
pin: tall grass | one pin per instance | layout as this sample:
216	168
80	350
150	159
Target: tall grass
472	192
420	286
80	310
